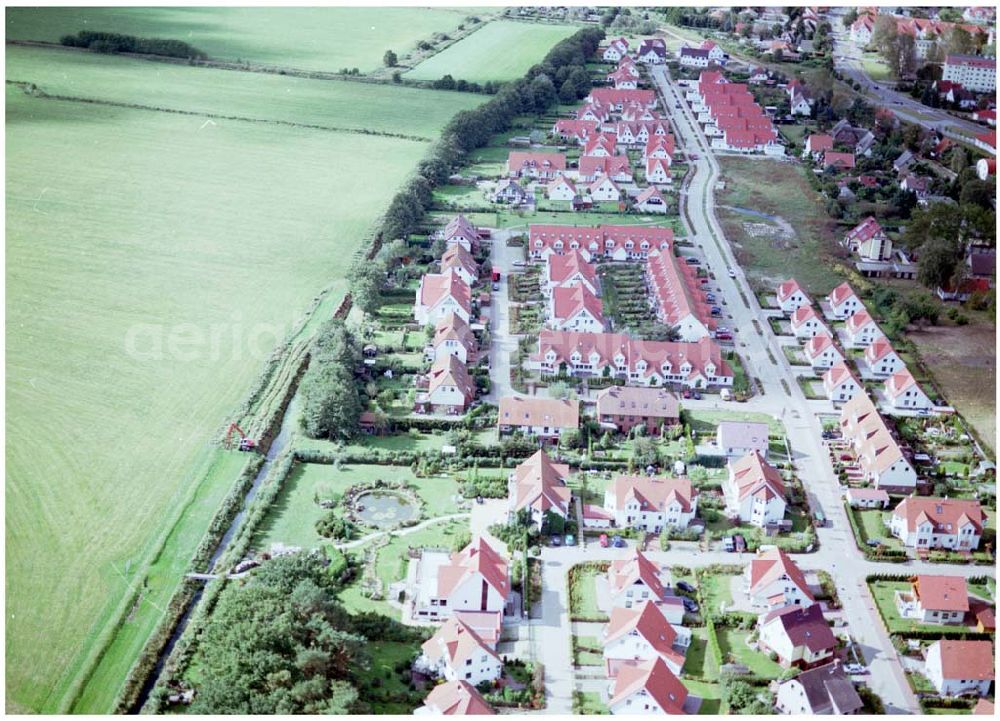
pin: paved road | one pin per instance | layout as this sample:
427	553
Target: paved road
765	361
503	344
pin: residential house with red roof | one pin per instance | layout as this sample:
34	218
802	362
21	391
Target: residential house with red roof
454	698
862	330
459	230
651	503
799	635
658	171
868	240
791	297
822	352
903	392
577	131
773	581
457	257
675	294
648	363
543	418
441	294
636	133
659	146
450	388
575	308
595	516
843	302
867	498
647	688
840	383
651	200
452	337
613	242
881	358
838	161
806	323
474	579
561	188
754	491
457	653
964	290
876	451
636	112
641	633
615	51
616	99
601	145
596	112
571	269
989	117
604	190
535	165
635	579
929	523
934	599
616	167
959	668
862	28
623	408
622	79
538	484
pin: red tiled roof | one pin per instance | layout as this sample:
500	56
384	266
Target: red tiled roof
569	301
899	382
788	288
967	660
616	96
452	327
656	679
804	626
603	140
874	444
436	287
540	483
457	698
477	557
940	513
563	267
656	142
837	375
456	642
819	142
648	621
818	344
803	314
865	230
858	321
756	477
448	370
841	293
579	129
654	493
840	160
520	161
614	165
877	350
625	572
868	494
637	401
676	291
456	256
941	593
599	239
772	565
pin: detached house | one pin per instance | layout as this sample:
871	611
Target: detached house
450	388
509	192
822	353
615	51
651	200
604	190
881	359
457	653
773	581
459	231
652	51
538	166
738	438
635	580
843	302
902	392
838	161
862	330
475	579
754	491
929	523
869	241
823	690
539	485
616	167
544	418
817	144
651	503
561	189
791	297
959	668
867	498
806	323
452	336
454	698
640	634
575	308
799	635
623	408
440	295
840	385
647	688
935	599
658	171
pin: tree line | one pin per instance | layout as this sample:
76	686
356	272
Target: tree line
101	42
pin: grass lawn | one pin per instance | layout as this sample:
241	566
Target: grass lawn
884	593
702	421
733	641
709	693
871	525
159	260
500	50
589	703
517	219
293	516
317	38
698	662
787	194
583	594
716	590
874	67
584	656
261	97
382	670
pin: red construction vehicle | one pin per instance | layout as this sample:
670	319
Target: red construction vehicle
246	443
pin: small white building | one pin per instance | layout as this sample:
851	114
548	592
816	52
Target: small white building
641	633
791	297
958	668
772	581
840	385
822	352
867	498
862	330
902	392
844	302
647	688
881	359
928	523
806	323
754	491
457	653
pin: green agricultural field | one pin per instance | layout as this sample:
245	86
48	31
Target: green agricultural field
254	96
319	38
154	260
500	50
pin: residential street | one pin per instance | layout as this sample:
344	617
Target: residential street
503	343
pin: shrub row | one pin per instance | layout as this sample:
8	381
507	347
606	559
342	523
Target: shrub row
101	42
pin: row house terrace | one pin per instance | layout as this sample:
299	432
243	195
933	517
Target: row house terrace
877	454
675	295
638	362
612	242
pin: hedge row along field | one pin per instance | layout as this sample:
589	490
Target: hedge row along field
156	259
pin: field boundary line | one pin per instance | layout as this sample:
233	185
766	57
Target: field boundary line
35	91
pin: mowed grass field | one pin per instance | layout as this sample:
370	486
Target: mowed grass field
153	261
318	38
501	50
257	96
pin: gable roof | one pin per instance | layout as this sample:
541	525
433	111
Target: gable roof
456	256
941	593
519	160
540	483
653	492
648	621
900	382
452	327
563	267
523	411
841	293
448	370
877	350
828	690
875	445
637	401
818	344
656	679
804	626
571	300
840	160
756	477
772	565
613	165
460	227
455	642
946	515
789	288
868	494
859	320
675	290
436	287
626	572
477	557
457	698
804	314
966	659
838	374
648	193
865	230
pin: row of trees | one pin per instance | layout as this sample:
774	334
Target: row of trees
100	42
331	401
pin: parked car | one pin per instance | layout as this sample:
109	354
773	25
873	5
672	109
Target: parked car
710	297
873	542
687	393
716	310
725	395
741	543
692	261
617	542
855	668
689	605
570	539
496	286
729	544
703	281
518	263
685	586
697	395
603	540
732	273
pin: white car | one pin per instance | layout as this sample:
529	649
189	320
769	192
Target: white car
855	669
732	273
518	263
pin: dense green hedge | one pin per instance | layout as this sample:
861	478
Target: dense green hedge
101	42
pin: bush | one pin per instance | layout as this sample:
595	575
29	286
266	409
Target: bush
116	43
333	525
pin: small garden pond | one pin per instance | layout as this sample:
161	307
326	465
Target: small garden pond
384	509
